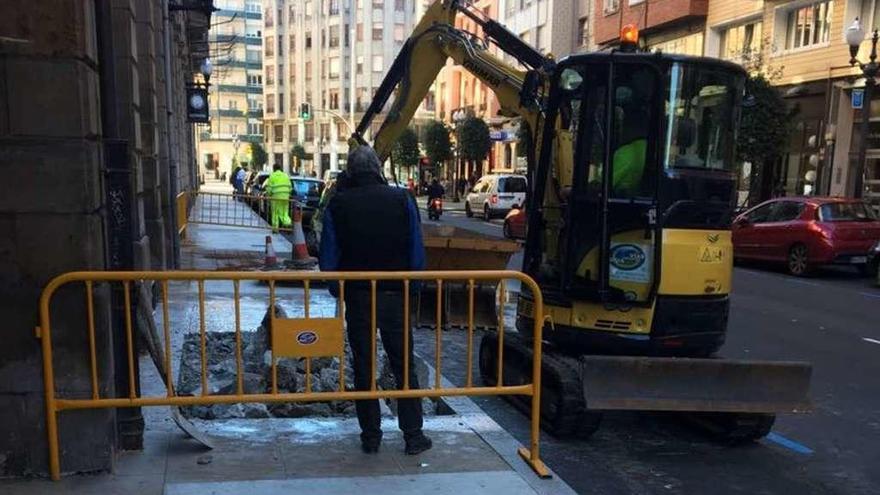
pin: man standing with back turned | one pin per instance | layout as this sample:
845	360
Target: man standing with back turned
278	187
369	226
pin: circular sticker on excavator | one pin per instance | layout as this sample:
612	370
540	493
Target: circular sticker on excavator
627	257
307	337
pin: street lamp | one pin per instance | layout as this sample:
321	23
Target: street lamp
458	116
854	36
207	69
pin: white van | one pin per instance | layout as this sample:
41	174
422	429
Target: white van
495	195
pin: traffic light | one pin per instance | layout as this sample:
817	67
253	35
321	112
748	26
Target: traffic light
305	111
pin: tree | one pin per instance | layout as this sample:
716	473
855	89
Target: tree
765	124
258	156
435	139
406	150
297	155
473	141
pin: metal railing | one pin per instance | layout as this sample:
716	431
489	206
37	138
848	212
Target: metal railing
233	210
287	337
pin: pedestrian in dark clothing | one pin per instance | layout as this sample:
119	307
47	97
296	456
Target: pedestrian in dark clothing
369	226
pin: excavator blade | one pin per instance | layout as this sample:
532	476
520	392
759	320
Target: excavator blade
689	384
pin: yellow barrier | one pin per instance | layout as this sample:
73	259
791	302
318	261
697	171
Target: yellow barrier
233	210
286	338
182	213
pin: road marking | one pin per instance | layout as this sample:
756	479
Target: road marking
802	282
869	294
788	443
866	339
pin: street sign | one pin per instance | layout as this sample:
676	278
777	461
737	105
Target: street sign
858	98
197	104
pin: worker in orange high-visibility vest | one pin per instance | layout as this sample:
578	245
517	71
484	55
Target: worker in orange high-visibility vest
278	188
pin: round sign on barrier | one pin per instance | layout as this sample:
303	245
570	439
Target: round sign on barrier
307	337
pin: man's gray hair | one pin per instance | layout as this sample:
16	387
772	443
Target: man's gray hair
363	160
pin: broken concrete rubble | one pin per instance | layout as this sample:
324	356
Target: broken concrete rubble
290	373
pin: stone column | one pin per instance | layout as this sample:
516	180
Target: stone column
51	222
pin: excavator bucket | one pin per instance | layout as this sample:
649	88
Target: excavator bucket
684	384
452	248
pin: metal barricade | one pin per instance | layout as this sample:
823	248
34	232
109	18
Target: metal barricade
233	210
300	338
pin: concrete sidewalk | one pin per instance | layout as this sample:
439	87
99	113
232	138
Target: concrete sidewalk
471	454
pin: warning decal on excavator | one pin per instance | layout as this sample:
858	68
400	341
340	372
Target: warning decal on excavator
711	254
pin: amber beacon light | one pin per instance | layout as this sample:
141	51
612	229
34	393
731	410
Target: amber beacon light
629	35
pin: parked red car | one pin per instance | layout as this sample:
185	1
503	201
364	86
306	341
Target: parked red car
515	224
805	232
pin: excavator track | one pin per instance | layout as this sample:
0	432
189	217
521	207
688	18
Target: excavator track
563	411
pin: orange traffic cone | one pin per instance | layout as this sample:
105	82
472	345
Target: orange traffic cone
271	257
301	255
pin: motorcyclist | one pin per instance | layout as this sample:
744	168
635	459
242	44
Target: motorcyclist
435	191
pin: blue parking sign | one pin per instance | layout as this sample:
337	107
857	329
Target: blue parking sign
858	98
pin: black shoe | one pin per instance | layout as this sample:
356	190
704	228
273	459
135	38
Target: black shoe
418	444
370	447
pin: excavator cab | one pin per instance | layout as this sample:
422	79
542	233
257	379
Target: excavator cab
638	189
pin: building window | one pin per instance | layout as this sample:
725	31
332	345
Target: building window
325	132
378	28
270	74
308	8
870	16
345	35
334	36
399	5
740	40
269	49
292	132
308	40
309	131
378	4
280	45
334	99
254	80
359	35
399	32
281	103
270	103
334	7
253	56
281	74
808	26
341	131
253	128
584	31
334	68
308	71
611	6
378	63
233	129
360	65
232	104
278	131
268	17
691	44
292	43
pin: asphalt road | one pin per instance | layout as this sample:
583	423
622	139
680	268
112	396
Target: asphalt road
831	320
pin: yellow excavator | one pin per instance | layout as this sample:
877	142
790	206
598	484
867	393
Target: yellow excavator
631	194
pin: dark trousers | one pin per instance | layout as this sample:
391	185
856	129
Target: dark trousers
389	319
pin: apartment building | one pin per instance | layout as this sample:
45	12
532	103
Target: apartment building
802	44
331	54
671	26
236	100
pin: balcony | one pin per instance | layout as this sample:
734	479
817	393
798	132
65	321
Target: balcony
233	88
238	14
256	113
223	112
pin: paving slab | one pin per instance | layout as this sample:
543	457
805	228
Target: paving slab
491	482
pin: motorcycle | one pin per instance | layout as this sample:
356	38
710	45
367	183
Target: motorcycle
435	209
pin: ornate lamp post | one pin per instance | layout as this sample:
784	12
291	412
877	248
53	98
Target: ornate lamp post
854	36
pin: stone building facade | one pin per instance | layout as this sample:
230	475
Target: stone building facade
85	115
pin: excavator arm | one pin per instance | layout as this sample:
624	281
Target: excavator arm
436	39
